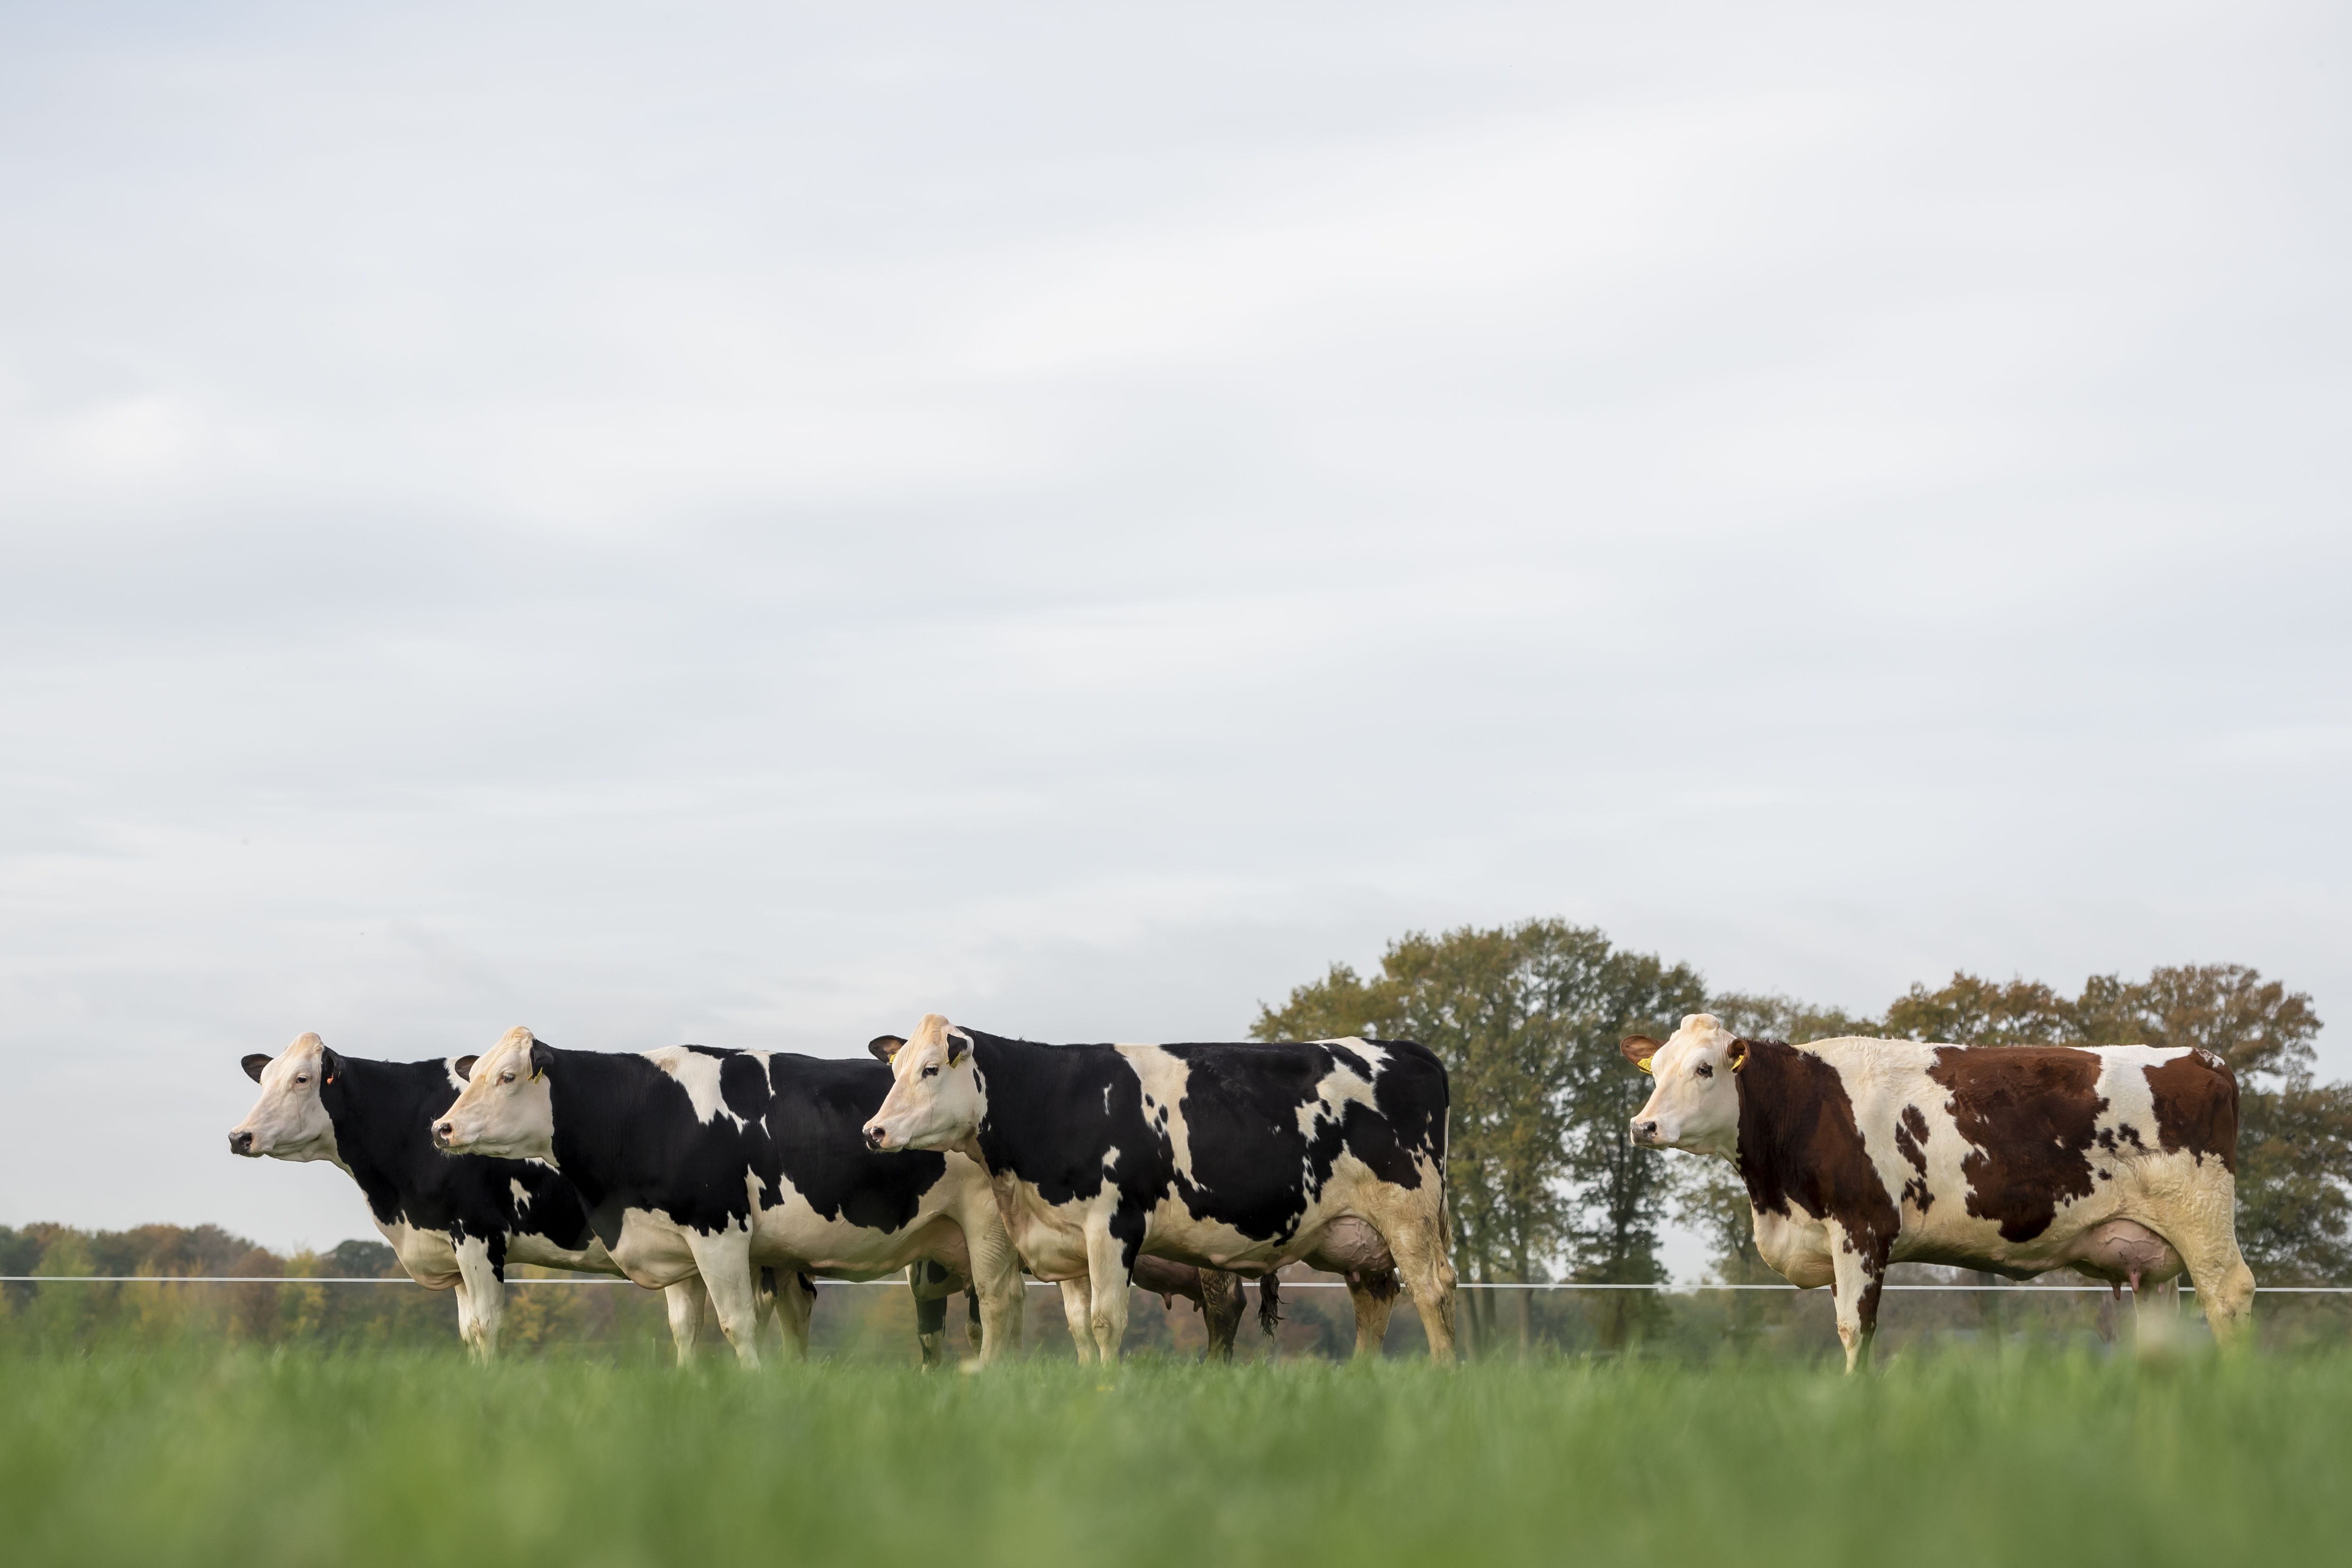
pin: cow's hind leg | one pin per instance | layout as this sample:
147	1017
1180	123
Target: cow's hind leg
1078	1313
1414	1230
685	1300
931	1328
1373	1293
791	1295
2225	1289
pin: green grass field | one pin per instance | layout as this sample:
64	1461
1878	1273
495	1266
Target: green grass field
264	1457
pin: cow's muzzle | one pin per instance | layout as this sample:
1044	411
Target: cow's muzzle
874	1140
241	1143
442	1133
1645	1132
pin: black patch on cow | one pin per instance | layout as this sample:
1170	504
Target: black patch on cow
1799	1144
2031	1114
1911	1143
1055	1112
2196	1107
626	1134
384	1114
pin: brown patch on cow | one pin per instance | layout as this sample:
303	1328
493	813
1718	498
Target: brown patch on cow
2032	1114
1911	1143
1798	1142
2196	1107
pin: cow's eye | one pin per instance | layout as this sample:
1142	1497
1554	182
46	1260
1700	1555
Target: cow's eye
1704	1070
507	1076
301	1078
932	1071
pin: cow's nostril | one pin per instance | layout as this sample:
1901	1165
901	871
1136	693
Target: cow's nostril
874	1138
238	1142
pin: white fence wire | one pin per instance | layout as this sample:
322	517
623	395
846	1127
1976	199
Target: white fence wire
1041	1285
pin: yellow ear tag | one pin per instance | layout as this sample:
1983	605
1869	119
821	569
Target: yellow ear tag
1644	1065
1741	1063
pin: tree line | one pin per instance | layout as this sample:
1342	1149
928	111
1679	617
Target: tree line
1545	1185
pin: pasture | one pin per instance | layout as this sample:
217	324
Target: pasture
296	1456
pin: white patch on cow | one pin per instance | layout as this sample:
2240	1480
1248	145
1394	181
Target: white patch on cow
522	1194
698	1075
1166	1080
1339	1086
2131	1102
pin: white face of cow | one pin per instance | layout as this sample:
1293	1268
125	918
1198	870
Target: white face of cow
935	1099
289	1121
1695	1105
506	1110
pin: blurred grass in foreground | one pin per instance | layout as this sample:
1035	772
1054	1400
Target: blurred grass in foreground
265	1457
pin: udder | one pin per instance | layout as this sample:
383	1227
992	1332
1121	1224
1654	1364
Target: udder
2125	1252
1348	1246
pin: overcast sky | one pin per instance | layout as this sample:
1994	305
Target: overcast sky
749	524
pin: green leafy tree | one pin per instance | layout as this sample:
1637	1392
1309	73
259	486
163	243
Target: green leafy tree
1526	1018
1973	1012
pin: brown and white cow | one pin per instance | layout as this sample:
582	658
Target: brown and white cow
2118	1162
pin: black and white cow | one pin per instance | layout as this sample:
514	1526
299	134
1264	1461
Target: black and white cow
1216	1293
2118	1162
453	1223
1238	1157
692	1160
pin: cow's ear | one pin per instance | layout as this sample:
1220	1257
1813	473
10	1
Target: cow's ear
884	1048
253	1066
1639	1050
959	1045
330	1064
542	1057
1738	1054
464	1067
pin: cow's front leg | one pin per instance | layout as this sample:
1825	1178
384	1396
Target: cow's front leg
685	1300
1078	1312
1855	1282
724	1261
481	1298
994	1267
1107	1276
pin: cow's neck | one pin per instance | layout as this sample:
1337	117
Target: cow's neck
1009	1073
590	1145
383	1115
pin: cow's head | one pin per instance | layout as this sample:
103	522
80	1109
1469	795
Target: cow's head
506	1110
936	1100
289	1121
1695	1105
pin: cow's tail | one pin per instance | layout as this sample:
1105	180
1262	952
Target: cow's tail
1269	1304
